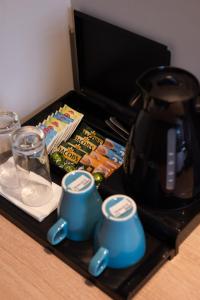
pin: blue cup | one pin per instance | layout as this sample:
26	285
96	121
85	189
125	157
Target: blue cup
79	208
119	239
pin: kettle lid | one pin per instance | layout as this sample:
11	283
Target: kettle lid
169	84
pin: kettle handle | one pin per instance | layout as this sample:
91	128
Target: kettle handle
171	160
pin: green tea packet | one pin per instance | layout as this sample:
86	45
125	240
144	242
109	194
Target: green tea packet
59	160
91	133
76	144
67	156
84	140
70	152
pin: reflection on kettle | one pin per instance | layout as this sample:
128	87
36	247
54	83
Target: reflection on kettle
162	160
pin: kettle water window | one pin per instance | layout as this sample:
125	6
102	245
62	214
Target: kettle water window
171	161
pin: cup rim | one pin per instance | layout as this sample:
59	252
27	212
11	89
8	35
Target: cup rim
121	219
73	172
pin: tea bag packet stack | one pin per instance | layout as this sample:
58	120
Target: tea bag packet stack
106	161
50	135
117	148
88	150
105	165
68	155
59	126
112	155
73	115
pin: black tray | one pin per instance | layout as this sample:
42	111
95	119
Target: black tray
119	284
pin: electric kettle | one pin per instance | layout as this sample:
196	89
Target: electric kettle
162	158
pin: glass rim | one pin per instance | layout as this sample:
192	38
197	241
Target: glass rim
13	124
28	129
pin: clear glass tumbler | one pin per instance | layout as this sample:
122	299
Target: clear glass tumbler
9	122
32	164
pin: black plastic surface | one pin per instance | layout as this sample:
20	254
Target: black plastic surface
110	58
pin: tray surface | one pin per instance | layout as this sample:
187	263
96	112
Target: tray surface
119	284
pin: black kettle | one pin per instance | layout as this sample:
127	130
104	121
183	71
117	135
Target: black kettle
162	158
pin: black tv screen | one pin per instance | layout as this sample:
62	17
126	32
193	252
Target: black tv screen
110	58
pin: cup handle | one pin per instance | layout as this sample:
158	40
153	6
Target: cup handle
99	262
57	232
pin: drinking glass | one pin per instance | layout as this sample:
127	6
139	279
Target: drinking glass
9	122
32	164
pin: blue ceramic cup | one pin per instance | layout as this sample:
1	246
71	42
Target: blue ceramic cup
119	239
79	208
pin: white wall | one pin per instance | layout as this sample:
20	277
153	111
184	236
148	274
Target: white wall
172	22
35	63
